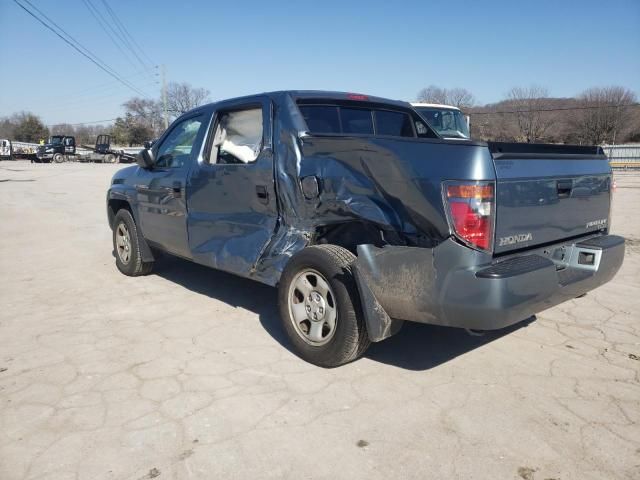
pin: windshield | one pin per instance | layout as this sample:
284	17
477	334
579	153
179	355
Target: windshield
55	140
447	122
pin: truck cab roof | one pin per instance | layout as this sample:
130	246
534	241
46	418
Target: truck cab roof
324	95
434	105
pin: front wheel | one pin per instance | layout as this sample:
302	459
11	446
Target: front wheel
58	158
127	247
319	306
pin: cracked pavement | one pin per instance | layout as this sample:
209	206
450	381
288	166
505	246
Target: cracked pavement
186	373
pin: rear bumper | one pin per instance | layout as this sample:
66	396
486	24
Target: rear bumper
453	285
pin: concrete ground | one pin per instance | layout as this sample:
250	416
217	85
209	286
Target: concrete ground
186	373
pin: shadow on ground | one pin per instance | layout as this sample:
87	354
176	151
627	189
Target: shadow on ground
415	347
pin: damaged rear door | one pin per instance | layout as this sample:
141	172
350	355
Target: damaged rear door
232	200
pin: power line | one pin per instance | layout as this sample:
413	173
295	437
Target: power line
558	109
82	123
88	98
67	34
125	33
108	86
104	25
89	123
90	56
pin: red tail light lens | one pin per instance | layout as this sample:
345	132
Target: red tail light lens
471	212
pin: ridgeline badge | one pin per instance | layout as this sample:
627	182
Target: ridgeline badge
597	223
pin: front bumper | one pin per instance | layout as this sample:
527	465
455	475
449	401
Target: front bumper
453	285
44	155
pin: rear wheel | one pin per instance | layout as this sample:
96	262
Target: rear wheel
127	247
109	158
319	306
58	158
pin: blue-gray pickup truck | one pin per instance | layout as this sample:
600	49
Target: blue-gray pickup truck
365	218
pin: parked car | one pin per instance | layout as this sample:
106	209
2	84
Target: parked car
447	120
364	218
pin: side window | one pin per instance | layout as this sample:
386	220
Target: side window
397	124
175	149
238	136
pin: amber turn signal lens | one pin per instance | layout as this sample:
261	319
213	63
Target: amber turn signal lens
470	191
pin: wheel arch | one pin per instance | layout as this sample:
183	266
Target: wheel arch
349	234
114	205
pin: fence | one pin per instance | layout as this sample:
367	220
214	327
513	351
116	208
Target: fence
623	156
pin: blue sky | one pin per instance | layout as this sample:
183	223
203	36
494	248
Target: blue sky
385	48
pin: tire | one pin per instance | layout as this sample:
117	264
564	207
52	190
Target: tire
109	158
58	158
326	347
127	252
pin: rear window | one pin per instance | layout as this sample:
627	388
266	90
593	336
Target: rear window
348	120
356	120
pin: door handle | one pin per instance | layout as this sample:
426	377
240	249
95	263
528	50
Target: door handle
564	188
263	195
176	190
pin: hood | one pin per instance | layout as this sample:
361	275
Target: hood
124	173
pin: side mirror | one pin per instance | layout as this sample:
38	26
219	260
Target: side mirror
145	158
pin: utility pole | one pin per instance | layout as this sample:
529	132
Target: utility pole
164	96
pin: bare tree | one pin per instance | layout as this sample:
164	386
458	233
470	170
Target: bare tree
182	97
530	105
605	114
6	127
61	129
432	94
146	112
458	97
28	127
85	134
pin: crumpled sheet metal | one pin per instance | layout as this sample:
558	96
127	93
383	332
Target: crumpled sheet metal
392	183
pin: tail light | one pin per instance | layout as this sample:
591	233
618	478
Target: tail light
471	209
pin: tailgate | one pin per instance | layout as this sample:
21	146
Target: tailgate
547	193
